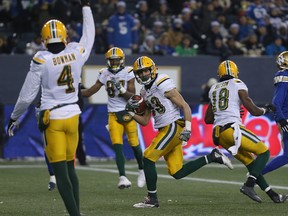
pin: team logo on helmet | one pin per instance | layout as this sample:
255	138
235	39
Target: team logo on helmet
282	60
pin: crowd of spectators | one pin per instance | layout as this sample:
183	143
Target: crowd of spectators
162	27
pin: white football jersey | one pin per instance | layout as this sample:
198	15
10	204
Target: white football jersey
164	111
58	75
116	102
225	101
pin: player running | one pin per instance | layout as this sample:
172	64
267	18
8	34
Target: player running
165	102
224	112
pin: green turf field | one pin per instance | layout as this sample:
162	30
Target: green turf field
212	191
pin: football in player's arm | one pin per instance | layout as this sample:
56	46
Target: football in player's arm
164	103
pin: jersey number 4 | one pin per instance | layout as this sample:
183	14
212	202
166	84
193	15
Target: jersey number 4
66	78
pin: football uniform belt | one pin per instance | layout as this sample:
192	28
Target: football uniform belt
217	130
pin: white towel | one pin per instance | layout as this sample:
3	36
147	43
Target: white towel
237	139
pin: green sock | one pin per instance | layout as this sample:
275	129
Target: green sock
151	175
74	181
139	156
65	187
262	182
190	167
120	159
256	167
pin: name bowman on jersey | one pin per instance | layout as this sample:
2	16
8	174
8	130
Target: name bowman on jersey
53	69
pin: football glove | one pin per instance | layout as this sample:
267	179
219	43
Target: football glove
284	125
269	108
132	105
118	85
11	126
185	135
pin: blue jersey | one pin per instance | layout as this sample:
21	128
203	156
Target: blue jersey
280	97
122	31
257	13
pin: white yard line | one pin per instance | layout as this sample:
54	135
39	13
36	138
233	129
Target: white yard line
109	168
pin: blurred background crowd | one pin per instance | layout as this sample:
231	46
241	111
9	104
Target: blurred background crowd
156	27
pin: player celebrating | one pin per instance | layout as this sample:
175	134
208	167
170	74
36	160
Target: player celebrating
165	102
229	132
281	115
119	83
57	71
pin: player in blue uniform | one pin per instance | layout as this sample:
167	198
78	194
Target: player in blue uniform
122	30
280	101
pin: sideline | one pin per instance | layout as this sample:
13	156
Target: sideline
105	168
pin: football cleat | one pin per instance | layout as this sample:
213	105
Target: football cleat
141	181
149	202
279	198
51	186
249	191
124	182
218	157
52	183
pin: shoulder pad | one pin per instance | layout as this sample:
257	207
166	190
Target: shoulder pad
102	70
279	79
237	80
129	69
161	79
38	58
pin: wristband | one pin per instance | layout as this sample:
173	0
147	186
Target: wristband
264	110
122	90
131	113
188	125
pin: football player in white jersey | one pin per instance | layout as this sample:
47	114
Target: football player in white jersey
57	72
164	103
119	82
223	111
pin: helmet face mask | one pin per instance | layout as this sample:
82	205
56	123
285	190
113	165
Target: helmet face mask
282	60
115	59
54	31
228	68
143	64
